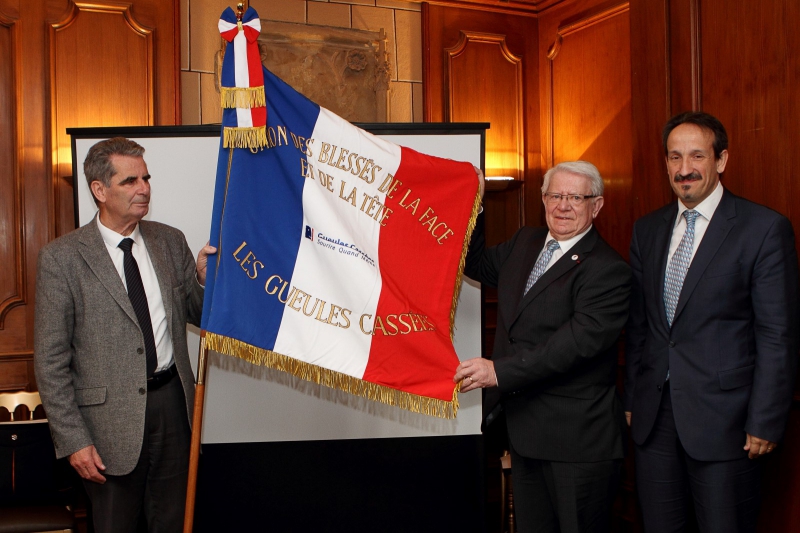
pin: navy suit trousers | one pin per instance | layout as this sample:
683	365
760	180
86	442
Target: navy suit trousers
726	494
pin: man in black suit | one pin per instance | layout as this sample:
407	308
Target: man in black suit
711	341
563	298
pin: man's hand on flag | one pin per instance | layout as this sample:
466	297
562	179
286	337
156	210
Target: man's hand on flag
202	262
481	180
475	373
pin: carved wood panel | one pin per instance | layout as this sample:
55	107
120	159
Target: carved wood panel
750	74
484	82
483	67
117	79
12	275
589	108
651	102
75	64
684	49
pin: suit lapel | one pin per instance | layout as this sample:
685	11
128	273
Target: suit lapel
662	237
513	295
531	255
157	250
565	263
721	224
93	251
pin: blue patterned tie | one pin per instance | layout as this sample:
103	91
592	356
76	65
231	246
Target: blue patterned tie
541	264
678	266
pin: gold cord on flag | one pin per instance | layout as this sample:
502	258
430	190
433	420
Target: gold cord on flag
253	138
331	378
473	218
242	97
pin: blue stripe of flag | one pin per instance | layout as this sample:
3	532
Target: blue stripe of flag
264	209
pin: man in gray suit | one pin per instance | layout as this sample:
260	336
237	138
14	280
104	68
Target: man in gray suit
112	302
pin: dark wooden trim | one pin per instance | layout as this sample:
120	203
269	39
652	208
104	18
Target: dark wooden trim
18	188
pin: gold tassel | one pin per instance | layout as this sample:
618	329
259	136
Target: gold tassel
242	97
476	206
335	380
253	138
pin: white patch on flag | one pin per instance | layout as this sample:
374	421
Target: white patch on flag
339	264
244	116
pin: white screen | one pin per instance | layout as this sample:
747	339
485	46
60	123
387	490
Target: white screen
246	403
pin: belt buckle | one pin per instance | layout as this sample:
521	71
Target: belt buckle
159	378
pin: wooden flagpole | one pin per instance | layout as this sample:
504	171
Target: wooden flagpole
200	389
197	430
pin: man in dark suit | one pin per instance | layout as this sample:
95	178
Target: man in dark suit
562	302
711	341
112	302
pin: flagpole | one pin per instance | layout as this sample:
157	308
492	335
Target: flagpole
197	429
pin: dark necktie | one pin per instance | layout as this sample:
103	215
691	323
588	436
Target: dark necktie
139	301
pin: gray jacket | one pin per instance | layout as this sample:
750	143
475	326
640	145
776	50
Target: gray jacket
88	348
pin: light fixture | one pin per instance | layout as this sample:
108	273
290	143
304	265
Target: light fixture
499	183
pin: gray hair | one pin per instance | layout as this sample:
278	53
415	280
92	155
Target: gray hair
582	168
97	165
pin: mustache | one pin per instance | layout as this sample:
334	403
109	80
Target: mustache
694	176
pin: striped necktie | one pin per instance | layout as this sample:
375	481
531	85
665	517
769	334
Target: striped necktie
138	298
678	266
541	264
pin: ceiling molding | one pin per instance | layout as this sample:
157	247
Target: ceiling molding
514	7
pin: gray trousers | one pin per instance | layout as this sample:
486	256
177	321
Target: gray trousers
157	485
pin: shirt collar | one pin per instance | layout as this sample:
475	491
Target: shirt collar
112	238
707	207
569	243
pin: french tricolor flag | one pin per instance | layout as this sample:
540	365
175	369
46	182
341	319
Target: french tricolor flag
340	256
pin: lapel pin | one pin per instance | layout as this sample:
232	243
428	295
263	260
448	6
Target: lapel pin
575	257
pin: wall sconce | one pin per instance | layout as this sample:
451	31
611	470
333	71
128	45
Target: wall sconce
501	183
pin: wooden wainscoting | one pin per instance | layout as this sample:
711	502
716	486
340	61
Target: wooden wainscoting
98	63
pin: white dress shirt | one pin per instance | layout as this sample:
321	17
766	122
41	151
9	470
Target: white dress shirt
158	314
706	209
563	247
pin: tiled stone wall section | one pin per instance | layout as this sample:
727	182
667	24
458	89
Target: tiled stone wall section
401	20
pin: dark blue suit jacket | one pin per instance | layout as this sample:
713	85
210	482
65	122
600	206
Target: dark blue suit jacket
732	349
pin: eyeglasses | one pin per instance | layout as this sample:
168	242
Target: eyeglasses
574	199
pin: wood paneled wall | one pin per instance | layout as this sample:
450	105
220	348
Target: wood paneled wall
586	101
610	73
483	67
66	64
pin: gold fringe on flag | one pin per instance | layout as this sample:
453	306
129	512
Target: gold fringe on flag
476	207
333	379
253	138
242	97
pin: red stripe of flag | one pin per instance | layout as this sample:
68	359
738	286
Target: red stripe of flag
410	257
